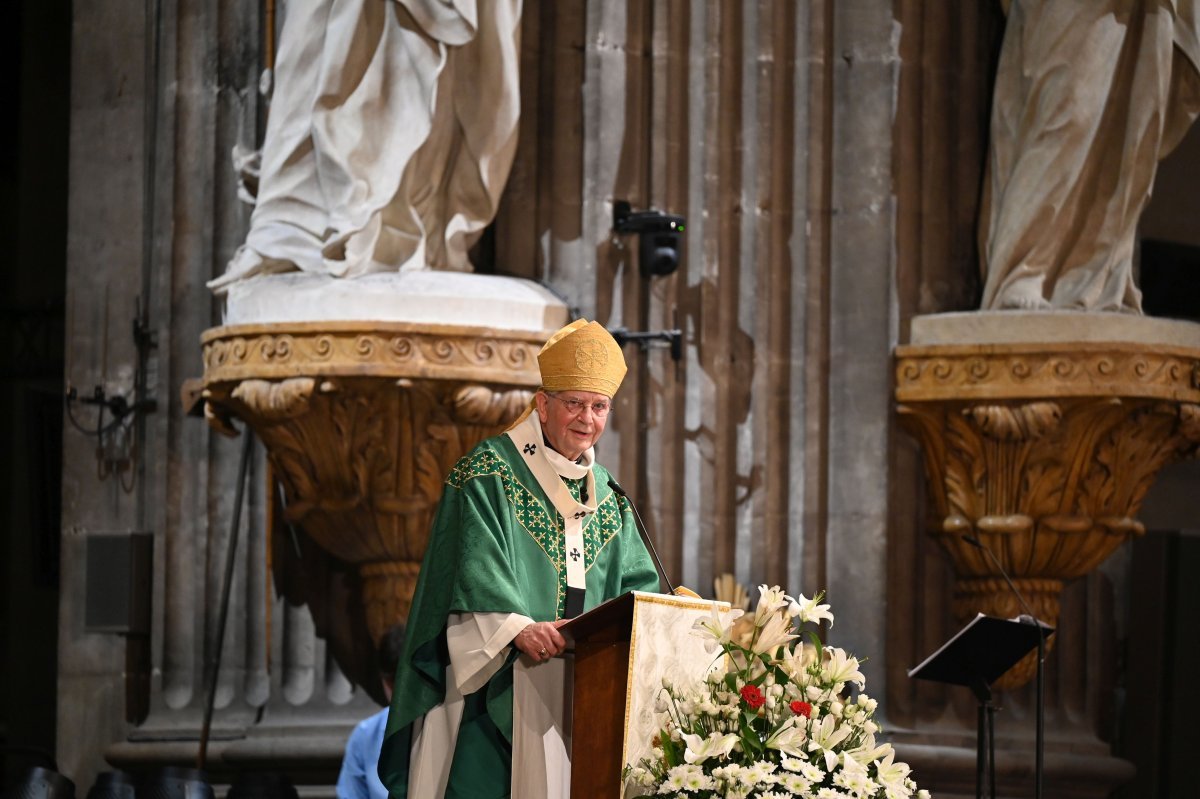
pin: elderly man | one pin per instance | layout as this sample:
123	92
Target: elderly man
528	535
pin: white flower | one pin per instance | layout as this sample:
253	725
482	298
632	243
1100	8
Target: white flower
825	736
811	771
795	661
838	667
790	763
809	611
770	600
891	774
701	749
796	784
854	778
868	752
830	793
674	781
715	632
789	739
774	633
687	777
761	772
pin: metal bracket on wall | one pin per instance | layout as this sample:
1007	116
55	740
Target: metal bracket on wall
647	339
116	438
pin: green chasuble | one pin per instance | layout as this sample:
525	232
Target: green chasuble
497	546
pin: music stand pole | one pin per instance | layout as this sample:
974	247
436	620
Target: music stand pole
991	717
1041	712
982	738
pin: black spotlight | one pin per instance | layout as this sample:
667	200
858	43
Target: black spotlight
112	785
174	782
42	783
660	237
262	785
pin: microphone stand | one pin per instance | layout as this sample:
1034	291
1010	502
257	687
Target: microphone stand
1040	710
645	536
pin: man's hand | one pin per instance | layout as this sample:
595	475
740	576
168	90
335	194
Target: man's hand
541	640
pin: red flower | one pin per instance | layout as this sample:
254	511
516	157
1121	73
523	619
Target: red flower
801	709
752	697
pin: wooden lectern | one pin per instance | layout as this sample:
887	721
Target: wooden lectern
601	711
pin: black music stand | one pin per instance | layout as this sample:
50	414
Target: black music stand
976	657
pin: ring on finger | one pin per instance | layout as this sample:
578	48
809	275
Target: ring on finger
542	652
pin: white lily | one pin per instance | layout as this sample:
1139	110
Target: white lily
774	633
840	667
701	749
868	751
715	632
795	662
892	774
809	611
770	600
824	738
789	739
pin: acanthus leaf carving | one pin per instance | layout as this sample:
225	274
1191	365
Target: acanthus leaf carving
1016	422
479	405
272	401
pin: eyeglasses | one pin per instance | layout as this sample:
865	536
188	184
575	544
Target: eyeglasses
600	408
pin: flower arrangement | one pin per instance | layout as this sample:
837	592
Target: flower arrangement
773	719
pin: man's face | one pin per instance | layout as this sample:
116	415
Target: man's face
571	431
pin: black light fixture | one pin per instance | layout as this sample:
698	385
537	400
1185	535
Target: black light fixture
42	783
175	782
660	237
112	785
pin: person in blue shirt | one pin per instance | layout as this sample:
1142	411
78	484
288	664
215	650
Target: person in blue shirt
359	777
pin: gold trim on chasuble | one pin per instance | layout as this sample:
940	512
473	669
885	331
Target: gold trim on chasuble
546	530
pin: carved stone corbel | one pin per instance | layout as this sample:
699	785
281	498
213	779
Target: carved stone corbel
363	425
1043	452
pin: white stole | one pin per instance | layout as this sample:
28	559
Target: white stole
548	469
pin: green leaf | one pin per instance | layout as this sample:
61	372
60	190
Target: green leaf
750	740
813	639
672	750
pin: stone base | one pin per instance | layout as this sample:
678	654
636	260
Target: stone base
415	298
1051	328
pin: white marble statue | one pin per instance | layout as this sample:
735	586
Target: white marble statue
390	135
1090	95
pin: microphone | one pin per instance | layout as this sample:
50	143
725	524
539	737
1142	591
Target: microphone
1029	618
645	536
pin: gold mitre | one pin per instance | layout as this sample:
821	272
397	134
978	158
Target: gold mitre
582	356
